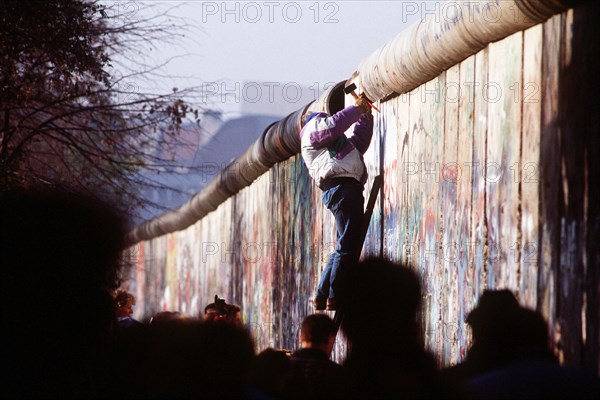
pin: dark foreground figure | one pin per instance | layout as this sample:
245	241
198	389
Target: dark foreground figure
313	375
60	262
183	359
510	357
387	358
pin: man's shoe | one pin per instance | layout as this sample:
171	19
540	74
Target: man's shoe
318	303
330	304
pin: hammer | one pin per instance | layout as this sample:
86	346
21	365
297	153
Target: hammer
351	89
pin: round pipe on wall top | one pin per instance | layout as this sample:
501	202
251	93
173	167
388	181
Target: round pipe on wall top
415	56
278	142
430	46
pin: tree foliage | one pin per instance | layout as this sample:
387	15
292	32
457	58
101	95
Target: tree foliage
70	115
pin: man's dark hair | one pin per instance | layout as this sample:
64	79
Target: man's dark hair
317	329
210	306
122	297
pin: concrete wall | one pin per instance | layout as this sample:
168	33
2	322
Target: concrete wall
489	182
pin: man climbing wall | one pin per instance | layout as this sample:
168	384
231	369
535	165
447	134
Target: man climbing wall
336	164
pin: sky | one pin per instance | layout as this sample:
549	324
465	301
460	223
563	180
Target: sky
236	46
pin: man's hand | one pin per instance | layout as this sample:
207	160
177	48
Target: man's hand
363	105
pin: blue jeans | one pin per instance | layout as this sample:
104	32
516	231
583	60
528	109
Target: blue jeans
346	202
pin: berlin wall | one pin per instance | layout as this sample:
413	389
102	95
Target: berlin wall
490	181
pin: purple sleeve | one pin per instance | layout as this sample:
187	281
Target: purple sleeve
338	124
363	132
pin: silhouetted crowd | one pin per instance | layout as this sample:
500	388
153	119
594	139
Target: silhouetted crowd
69	333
